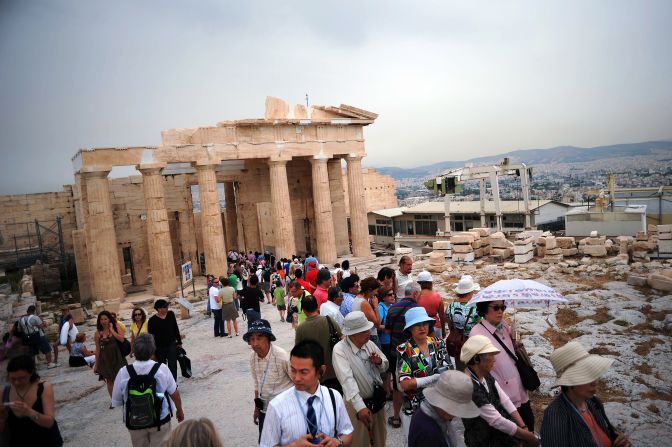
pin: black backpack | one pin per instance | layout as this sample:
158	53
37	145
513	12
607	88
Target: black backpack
143	404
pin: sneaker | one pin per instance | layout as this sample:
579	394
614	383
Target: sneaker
52	365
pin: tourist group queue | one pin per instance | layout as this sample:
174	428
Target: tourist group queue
358	344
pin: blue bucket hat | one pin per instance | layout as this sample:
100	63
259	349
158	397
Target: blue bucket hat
417	315
259	327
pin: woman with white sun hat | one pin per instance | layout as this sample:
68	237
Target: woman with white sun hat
576	417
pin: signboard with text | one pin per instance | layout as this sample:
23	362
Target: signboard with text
187	274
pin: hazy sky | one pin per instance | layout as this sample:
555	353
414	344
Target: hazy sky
450	80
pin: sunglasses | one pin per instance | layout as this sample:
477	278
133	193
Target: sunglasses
390	294
137	314
498	307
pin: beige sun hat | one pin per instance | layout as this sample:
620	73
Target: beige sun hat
476	344
452	393
356	322
466	285
574	365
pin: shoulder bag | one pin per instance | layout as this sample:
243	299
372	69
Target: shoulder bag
455	339
333	335
528	376
124	346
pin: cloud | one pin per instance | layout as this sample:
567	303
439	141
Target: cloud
450	80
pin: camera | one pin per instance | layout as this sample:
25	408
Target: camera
260	403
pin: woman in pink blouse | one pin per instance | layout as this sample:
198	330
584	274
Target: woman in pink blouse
504	371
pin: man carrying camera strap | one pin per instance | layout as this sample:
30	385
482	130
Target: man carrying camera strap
359	363
269	365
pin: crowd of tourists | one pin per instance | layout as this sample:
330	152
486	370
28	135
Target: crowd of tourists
359	343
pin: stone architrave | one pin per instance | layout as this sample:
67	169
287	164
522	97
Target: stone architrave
337	194
102	240
211	221
230	216
324	223
164	280
285	244
358	218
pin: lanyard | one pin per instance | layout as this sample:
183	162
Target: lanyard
263	377
596	436
318	419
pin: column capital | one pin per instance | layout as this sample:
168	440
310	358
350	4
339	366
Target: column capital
95	173
353	157
150	168
319	159
277	162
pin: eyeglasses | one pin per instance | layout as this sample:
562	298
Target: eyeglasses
390	294
498	307
137	314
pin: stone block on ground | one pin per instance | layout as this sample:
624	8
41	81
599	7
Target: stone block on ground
510	265
112	306
641	236
647	246
500	243
437	258
665	236
541	250
478	253
476	244
477	235
566	242
525	241
550	242
483	232
664	228
462	238
441	245
637	280
462	248
595	240
569	251
502	252
523	258
659	282
523	249
595	250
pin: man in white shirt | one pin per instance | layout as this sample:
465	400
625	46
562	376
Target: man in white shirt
359	363
404	275
307	411
216	308
332	308
144	348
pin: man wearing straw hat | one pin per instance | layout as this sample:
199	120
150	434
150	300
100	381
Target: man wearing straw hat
576	417
449	398
359	363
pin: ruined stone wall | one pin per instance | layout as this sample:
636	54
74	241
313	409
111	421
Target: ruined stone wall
45	207
379	191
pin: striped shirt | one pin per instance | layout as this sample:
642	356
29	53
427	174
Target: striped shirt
270	379
286	422
563	426
396	320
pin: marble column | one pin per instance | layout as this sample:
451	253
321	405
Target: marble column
285	244
211	221
187	230
102	239
230	216
337	194
324	223
164	281
358	219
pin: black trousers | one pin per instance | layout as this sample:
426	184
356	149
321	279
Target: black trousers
219	323
168	355
526	414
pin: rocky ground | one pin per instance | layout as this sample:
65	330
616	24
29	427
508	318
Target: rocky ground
628	323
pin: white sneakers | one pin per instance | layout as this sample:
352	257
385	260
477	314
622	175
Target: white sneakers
52	365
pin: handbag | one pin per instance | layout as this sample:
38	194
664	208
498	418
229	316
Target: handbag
185	363
528	376
377	401
455	339
333	335
124	346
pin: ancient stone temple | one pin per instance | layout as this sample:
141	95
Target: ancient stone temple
284	189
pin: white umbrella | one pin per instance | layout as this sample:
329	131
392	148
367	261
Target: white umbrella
519	293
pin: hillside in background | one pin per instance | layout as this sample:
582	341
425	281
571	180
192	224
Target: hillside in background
560	154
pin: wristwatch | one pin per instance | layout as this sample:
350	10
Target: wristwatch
340	441
36	417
